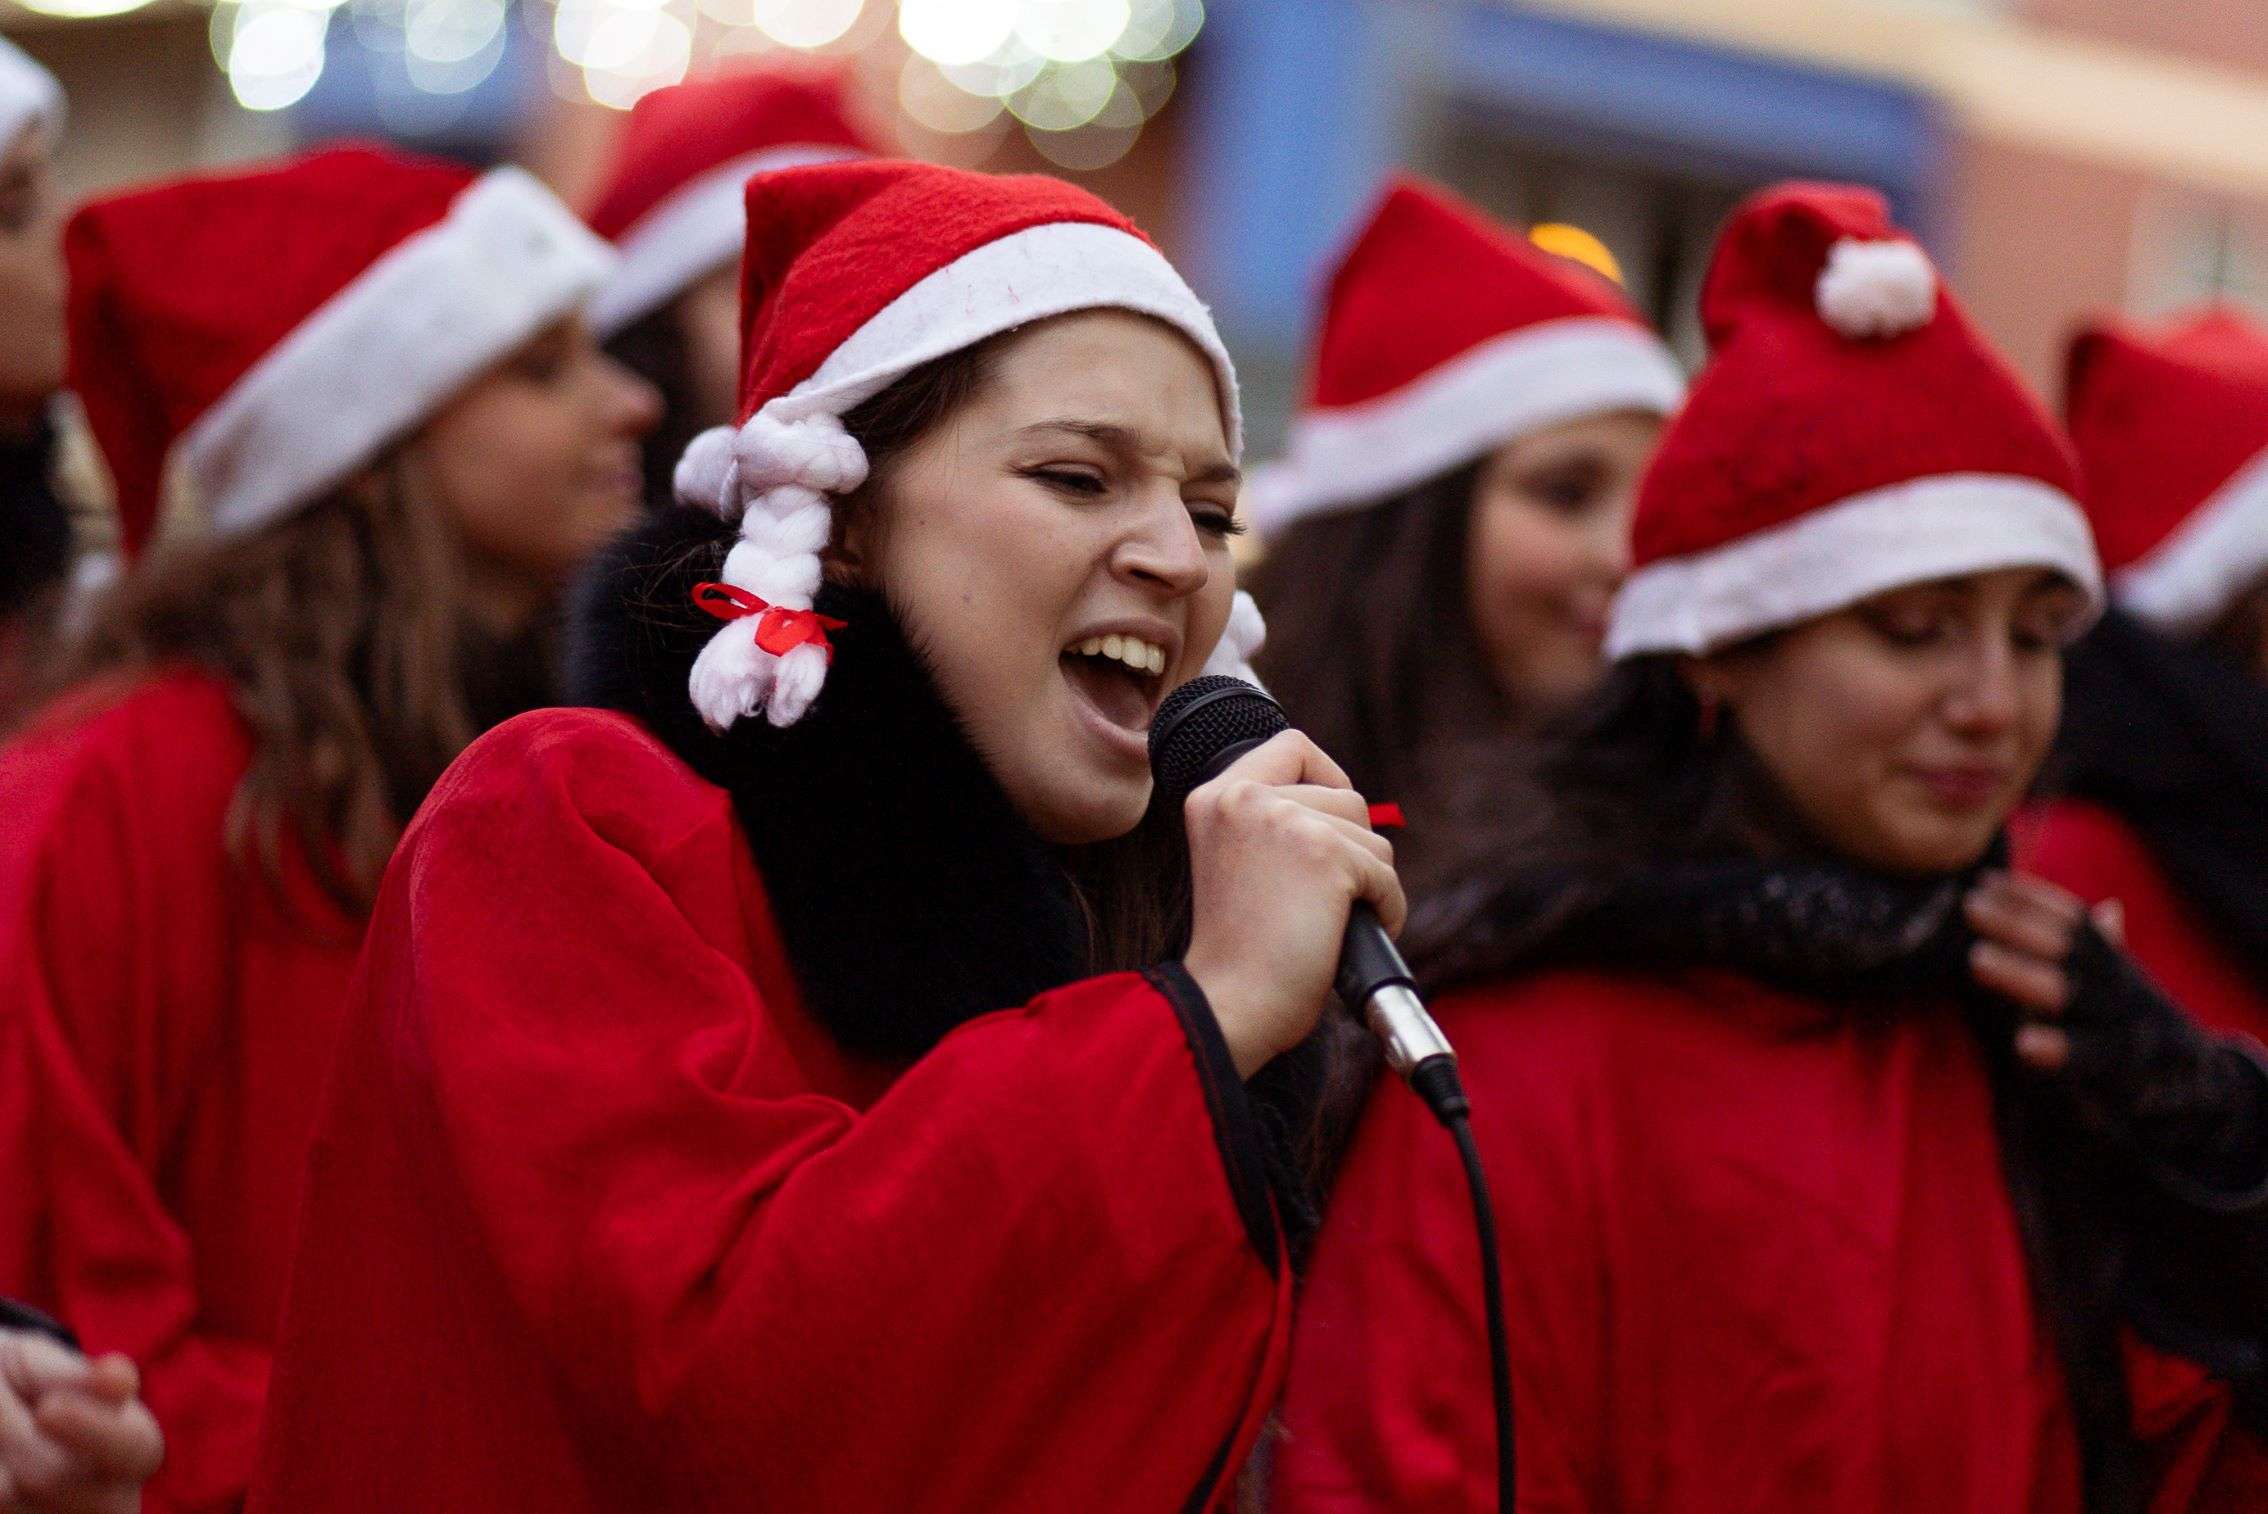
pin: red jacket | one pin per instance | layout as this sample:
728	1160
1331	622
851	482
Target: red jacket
2098	856
599	1218
166	1022
1757	1257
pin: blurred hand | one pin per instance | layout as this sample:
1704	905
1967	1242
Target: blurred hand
75	1437
1280	848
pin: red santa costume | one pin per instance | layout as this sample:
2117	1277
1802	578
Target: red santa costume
1763	1249
167	1014
724	1119
2163	765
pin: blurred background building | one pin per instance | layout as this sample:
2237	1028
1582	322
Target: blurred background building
2060	156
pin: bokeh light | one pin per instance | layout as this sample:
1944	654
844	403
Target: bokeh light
957	31
1578	246
1066	98
275	54
935	103
1071	31
805	23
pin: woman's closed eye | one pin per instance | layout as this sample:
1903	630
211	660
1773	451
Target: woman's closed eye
1215	521
1084	482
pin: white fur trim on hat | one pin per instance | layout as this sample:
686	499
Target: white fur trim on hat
2201	567
372	361
692	231
1241	640
29	95
777	472
1873	290
1508	386
1830	559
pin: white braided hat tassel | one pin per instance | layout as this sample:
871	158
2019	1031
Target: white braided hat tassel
778	479
1241	640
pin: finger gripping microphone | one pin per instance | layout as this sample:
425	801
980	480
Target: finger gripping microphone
1204	726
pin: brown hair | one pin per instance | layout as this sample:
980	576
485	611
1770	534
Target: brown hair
653	347
1371	647
338	631
2241	630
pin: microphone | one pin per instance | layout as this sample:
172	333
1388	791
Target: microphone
1200	729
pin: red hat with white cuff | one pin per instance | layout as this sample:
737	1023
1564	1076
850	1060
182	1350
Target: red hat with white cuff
2172	431
670	200
1446	335
256	337
1851	434
855	275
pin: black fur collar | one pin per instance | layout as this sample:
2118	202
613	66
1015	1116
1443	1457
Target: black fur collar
910	894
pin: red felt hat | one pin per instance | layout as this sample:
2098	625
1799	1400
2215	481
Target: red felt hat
2172	430
1852	433
670	200
258	336
856	274
1444	336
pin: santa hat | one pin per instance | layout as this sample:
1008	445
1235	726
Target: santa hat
671	199
29	95
261	335
856	274
2172	430
1852	433
1445	336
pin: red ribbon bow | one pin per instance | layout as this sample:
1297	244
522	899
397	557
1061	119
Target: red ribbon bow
779	630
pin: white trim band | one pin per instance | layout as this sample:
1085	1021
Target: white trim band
2204	563
696	228
1030	275
1830	559
377	357
29	95
1508	386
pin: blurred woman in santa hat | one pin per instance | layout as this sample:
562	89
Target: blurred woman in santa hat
2162	767
1452	515
670	202
816	1079
35	528
361	385
1839	1166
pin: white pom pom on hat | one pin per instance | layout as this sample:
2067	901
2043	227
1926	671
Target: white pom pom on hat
856	274
1873	290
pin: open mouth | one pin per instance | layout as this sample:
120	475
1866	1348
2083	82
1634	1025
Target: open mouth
1123	677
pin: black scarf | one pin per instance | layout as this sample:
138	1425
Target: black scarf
34	524
910	895
2173	737
1866	944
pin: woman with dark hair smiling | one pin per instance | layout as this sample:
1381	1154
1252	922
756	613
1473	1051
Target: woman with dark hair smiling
1840	1167
817	1081
1452	515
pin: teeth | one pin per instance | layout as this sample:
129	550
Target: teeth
1141	656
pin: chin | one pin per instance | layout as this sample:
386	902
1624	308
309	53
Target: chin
1099	812
1934	846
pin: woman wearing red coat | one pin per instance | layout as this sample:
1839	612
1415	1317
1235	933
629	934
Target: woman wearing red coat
803	1081
2162	769
1838	1168
389	446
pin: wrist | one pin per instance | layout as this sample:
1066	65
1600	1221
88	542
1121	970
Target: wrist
1242	1027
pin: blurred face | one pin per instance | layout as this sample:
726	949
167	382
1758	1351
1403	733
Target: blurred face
1906	729
1549	546
708	321
31	279
535	463
1059	548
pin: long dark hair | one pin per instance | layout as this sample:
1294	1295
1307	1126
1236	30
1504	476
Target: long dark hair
1371	647
1633	776
653	347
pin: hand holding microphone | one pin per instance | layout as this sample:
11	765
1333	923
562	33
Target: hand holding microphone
1280	846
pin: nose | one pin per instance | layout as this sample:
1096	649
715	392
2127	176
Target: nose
1984	696
1163	550
634	407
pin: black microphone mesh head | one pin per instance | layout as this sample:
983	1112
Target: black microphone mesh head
1200	721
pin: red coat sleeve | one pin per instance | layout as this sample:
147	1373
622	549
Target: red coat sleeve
1025	1276
1387	1406
104	873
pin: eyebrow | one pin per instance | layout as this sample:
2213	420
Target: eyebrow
1125	440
